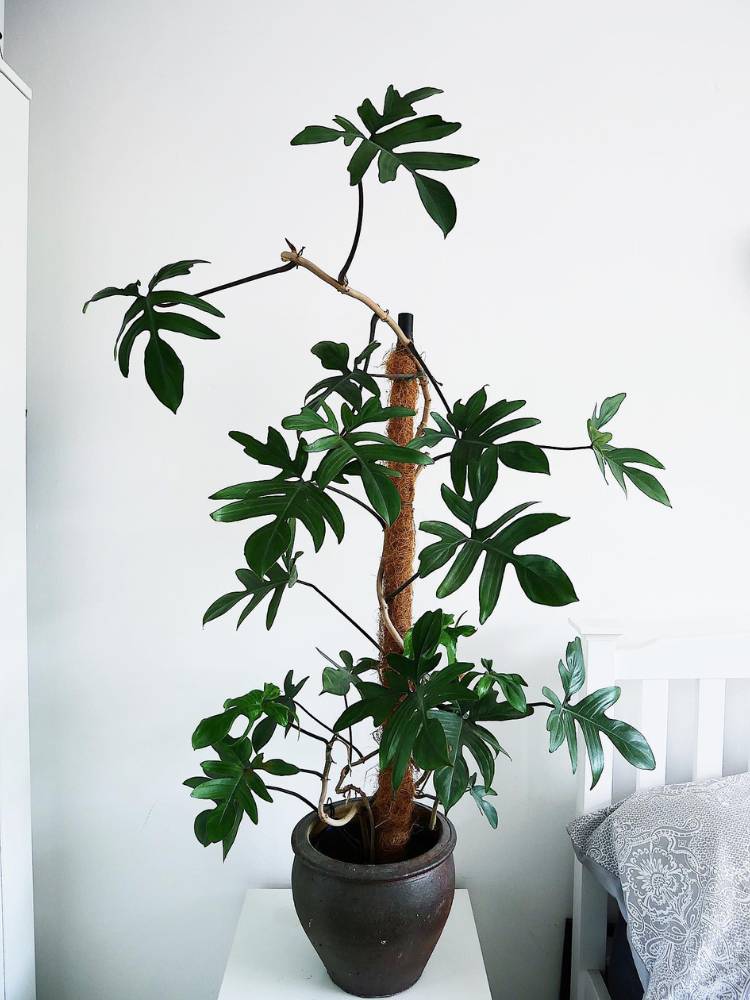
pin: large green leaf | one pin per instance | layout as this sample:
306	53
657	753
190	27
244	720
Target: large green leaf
152	313
257	587
463	734
339	676
164	372
273	452
511	685
287	501
620	461
473	427
451	783
541	579
573	670
589	714
397	126
214	730
480	793
349	380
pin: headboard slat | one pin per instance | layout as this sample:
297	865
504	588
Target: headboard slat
654	726
709	738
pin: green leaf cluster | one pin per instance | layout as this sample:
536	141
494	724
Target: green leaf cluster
286	497
348	451
480	794
541	578
154	312
589	716
435	716
450	633
350	379
257	587
347	448
473	427
623	462
338	677
413	691
384	135
464	735
431	714
233	782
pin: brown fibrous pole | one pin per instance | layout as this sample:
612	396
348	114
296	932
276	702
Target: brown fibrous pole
393	810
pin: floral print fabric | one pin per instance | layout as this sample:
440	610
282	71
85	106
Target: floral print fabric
681	855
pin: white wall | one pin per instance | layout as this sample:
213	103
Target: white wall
603	244
16	916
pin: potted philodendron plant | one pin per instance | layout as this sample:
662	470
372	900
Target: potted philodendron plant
373	874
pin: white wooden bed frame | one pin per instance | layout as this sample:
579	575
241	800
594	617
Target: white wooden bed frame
711	661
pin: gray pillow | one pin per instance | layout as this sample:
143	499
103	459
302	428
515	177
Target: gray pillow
677	859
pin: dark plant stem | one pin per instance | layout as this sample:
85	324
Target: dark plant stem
325	726
341	611
244	281
288	791
539	704
307	770
435	384
558	447
360	503
313	736
351	738
342	277
373	326
369	756
433	813
402	586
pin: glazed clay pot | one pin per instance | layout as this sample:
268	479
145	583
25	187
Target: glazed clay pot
374	927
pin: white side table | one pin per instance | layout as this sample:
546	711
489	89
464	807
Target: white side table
271	959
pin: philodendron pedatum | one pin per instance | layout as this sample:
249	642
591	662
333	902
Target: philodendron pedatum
354	441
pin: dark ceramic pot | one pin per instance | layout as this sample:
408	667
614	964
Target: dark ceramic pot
374	927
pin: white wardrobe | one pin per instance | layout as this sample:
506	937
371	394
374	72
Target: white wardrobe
16	910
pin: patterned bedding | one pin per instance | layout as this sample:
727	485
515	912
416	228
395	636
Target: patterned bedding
677	859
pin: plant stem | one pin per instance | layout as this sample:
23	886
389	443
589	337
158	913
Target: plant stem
313	736
558	447
361	503
350	744
433	814
343	278
435	384
402	586
385	614
331	820
244	281
296	257
288	791
369	756
539	704
373	325
327	727
341	611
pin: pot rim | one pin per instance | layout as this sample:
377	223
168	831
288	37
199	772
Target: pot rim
391	872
